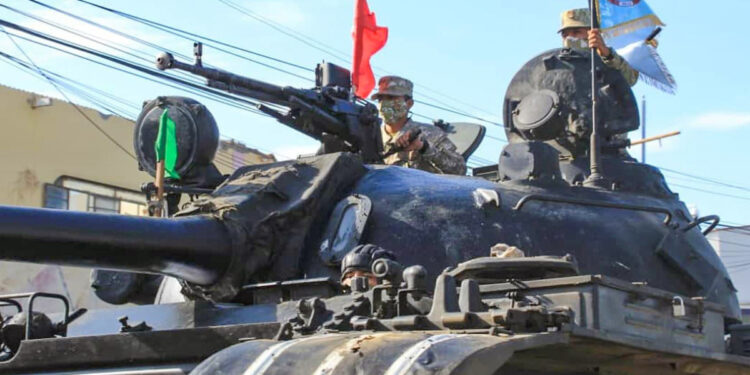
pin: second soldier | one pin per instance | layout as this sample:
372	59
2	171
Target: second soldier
431	151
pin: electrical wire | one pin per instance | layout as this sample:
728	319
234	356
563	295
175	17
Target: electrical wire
149	78
170	31
338	54
701	178
134	66
283	30
182	33
712	192
344	57
148	58
78	109
176	31
455	112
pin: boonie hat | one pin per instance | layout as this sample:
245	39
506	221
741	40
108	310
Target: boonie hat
575	18
393	85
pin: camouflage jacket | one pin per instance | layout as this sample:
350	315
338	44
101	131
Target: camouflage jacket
617	62
440	155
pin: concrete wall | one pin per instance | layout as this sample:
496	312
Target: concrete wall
733	246
39	145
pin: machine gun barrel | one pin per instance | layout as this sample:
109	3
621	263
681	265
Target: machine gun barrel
195	249
225	80
329	112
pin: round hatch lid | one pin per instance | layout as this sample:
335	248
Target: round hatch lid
195	134
535	109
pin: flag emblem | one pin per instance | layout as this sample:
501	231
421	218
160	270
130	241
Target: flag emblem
628	26
625	3
368	39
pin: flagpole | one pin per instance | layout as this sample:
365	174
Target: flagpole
159	182
595	179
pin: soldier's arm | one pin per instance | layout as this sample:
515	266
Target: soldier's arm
441	153
616	61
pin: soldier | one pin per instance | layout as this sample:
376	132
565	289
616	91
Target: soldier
358	263
577	34
431	151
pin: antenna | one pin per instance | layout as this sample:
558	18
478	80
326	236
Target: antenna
643	129
596	177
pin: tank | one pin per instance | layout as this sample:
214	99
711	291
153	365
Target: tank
523	268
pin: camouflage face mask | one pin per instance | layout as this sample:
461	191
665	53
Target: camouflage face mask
393	110
575	43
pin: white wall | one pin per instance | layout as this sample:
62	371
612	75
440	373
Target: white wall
733	246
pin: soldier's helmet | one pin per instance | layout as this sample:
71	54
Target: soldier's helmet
361	257
575	18
395	86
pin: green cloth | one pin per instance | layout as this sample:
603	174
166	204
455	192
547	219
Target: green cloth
166	145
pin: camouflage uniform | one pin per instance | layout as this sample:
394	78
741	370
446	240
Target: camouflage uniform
439	153
576	18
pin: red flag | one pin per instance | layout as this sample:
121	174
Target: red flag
369	38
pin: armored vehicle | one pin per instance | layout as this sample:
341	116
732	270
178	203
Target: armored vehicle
335	264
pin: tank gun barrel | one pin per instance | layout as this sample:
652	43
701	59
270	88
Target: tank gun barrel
196	249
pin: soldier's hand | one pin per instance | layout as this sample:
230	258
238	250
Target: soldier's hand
596	41
403	142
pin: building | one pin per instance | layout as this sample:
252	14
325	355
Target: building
733	246
52	156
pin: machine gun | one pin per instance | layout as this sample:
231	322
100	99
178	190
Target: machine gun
329	112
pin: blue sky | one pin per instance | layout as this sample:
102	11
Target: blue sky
459	53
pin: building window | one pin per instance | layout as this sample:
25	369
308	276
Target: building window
68	193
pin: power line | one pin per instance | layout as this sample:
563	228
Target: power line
496	138
284	30
179	32
197	92
322	47
131	65
182	34
458	113
107	28
176	31
92	122
701	178
56	25
712	192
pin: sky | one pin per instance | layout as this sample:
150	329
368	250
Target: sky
459	54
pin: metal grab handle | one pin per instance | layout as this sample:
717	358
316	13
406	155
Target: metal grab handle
585	202
701	220
10	299
30	309
10	302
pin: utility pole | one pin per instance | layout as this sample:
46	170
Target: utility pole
643	129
